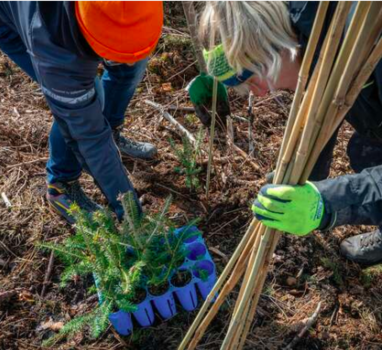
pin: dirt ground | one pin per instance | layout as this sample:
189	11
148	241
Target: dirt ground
304	272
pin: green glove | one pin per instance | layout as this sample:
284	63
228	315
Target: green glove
292	209
200	91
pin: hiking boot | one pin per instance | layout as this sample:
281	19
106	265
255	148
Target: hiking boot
61	195
365	249
135	149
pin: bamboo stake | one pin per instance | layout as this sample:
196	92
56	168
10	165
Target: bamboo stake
355	25
231	283
321	88
329	44
237	323
212	133
239	338
338	101
259	288
299	106
371	36
327	108
351	96
261	282
304	71
254	301
237	319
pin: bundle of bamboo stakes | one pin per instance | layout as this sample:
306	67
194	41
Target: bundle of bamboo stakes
345	64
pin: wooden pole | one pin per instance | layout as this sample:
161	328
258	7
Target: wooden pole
304	72
212	134
241	253
268	241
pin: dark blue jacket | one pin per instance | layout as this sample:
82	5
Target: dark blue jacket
66	68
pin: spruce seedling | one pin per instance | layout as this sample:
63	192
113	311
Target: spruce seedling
160	250
98	248
188	159
123	259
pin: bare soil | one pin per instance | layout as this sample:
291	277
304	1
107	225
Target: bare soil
304	272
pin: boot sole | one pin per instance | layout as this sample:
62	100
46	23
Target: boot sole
126	156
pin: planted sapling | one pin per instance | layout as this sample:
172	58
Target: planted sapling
188	159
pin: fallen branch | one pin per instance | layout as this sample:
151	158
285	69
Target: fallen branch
309	323
240	119
173	121
29	162
7	202
181	108
47	274
244	155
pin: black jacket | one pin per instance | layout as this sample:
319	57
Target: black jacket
350	199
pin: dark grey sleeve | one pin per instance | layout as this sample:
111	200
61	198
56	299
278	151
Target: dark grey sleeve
353	199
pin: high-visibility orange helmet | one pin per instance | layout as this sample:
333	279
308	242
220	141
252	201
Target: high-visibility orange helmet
121	31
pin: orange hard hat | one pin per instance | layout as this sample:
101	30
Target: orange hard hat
121	31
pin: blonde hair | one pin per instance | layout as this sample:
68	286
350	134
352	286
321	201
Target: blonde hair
253	34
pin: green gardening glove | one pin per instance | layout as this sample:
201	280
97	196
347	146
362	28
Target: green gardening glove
200	91
292	209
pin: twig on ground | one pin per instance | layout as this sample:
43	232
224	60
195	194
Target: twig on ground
29	162
309	323
244	155
219	253
47	274
173	121
7	202
180	108
240	119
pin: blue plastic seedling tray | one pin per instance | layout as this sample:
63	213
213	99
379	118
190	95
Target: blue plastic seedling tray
165	305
